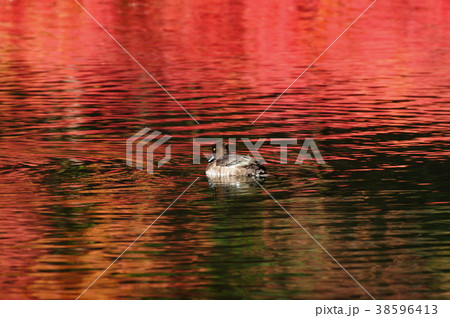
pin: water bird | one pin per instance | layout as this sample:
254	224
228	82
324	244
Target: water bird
224	164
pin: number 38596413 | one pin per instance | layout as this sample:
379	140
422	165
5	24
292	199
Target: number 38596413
407	309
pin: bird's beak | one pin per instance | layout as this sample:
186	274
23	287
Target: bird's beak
212	158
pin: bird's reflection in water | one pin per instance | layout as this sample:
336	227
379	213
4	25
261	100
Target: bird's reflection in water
227	187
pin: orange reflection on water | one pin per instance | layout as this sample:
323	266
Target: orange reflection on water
376	103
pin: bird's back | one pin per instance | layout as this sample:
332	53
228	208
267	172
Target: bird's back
236	165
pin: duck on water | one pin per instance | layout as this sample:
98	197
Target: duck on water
224	164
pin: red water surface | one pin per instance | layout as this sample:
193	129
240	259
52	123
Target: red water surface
376	102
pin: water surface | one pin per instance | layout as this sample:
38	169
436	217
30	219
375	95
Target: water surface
377	105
